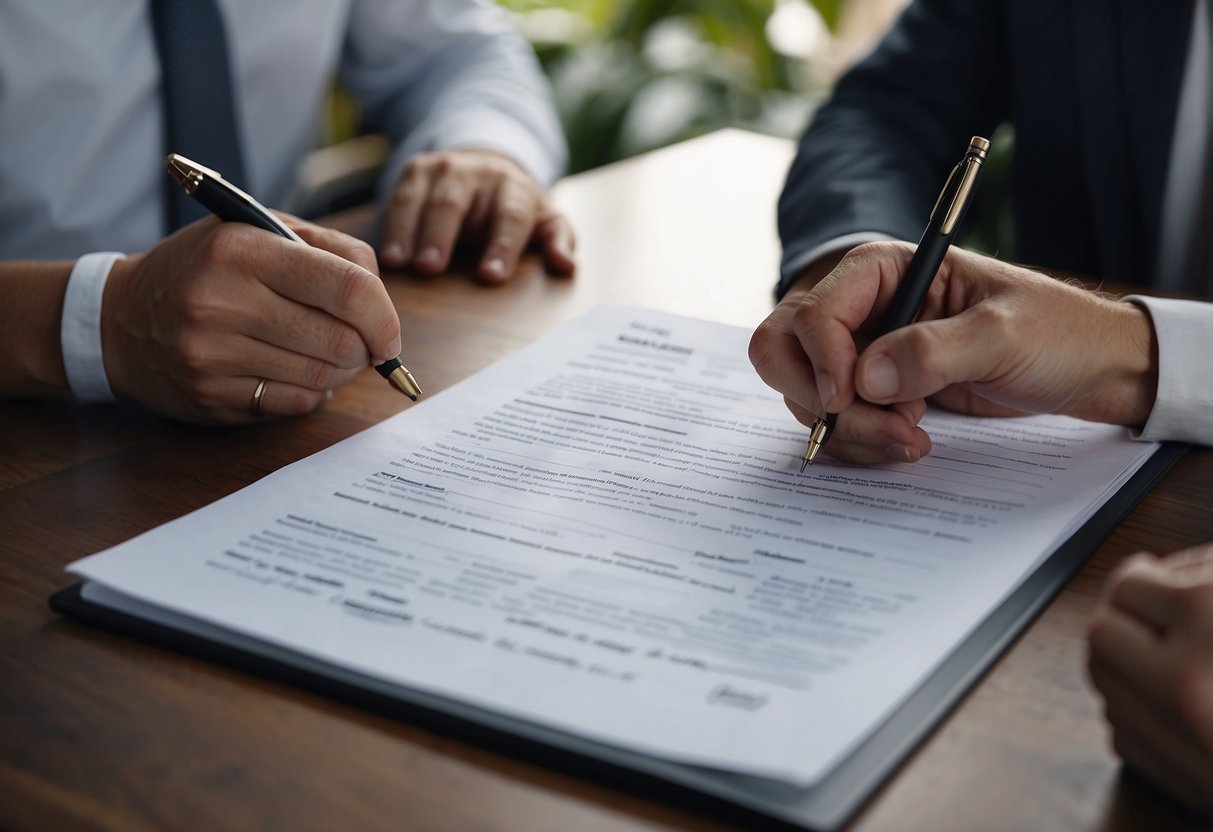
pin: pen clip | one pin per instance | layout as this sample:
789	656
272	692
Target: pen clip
969	166
188	173
944	192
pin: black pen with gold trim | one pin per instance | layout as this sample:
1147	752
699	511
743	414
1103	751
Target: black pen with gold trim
946	216
231	204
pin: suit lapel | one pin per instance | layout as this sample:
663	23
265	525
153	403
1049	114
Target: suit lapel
1154	43
1129	60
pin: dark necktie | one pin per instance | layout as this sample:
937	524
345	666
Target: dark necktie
197	95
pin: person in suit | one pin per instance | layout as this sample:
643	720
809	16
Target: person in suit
999	340
1110	104
114	288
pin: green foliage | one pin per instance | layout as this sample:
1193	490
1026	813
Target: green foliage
633	75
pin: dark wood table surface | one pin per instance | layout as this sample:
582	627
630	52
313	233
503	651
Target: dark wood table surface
99	731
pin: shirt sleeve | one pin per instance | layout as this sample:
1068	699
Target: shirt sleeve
875	154
455	73
1183	406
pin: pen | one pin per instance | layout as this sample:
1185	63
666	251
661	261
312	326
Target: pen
229	203
949	210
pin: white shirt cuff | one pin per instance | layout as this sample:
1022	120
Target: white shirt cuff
1184	402
80	327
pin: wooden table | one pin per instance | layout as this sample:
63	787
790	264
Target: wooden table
97	731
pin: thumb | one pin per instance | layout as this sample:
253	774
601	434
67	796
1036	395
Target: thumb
919	360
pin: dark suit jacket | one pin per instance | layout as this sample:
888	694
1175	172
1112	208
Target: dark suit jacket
1091	86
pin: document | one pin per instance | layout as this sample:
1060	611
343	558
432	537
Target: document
608	534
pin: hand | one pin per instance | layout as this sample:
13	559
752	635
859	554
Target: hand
475	196
992	340
191	326
1151	656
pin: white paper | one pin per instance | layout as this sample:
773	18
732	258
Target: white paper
608	533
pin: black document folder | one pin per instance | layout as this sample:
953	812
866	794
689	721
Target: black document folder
753	802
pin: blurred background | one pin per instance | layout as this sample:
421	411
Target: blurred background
631	76
634	75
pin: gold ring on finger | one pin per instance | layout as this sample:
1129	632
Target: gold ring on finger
255	406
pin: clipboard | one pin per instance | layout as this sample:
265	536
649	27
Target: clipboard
754	802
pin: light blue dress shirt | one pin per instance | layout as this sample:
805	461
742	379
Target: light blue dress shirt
80	118
81	126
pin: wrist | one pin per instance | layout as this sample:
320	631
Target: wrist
31	324
115	331
1124	388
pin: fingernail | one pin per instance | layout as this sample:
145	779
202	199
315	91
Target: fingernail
880	377
826	388
898	452
328	394
429	254
393	253
495	267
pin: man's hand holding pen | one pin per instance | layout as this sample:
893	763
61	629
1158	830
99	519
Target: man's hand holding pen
915	280
191	326
992	339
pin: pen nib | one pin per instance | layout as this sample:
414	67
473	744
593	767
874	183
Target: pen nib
403	381
399	377
822	427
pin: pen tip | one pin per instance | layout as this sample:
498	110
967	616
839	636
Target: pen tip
804	463
403	380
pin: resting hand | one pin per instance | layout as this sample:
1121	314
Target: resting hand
191	326
1151	656
992	340
475	196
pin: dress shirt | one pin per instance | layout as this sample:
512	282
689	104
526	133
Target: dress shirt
80	161
82	126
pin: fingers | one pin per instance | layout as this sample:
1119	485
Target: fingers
1136	712
1186	781
554	235
514	213
231	400
868	435
1143	589
402	215
243	355
1129	647
920	360
825	320
189	322
806	350
442	217
323	280
1193	565
471	194
343	245
1154	729
780	360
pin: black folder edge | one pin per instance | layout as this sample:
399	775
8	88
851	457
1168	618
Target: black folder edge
754	802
